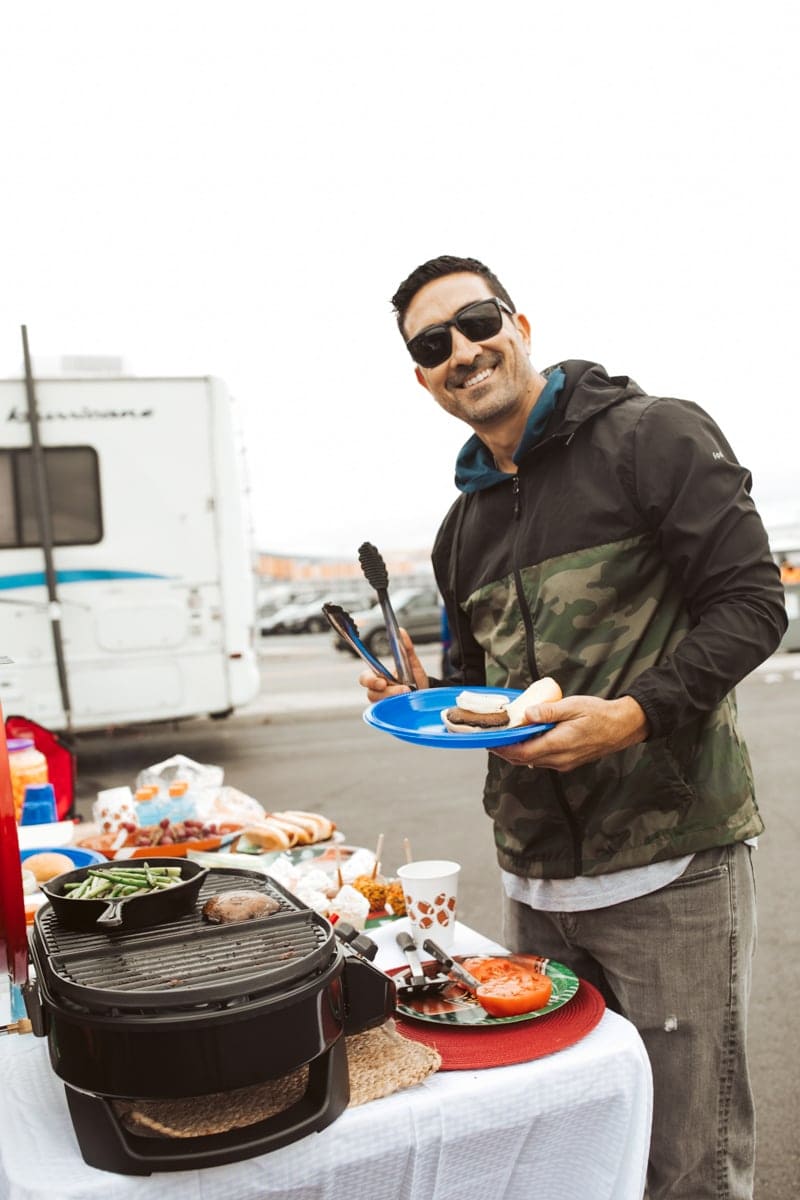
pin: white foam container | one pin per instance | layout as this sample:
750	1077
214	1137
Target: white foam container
50	833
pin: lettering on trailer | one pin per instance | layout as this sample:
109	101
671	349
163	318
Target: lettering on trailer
20	415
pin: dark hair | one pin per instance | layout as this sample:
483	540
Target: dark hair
436	268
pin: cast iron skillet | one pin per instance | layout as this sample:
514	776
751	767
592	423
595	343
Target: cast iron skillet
135	912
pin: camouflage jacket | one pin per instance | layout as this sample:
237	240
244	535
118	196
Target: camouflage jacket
625	558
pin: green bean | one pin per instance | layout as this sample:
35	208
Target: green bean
120	882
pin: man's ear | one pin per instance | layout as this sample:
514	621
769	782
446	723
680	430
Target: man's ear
421	378
524	327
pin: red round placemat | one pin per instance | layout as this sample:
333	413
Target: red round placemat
468	1049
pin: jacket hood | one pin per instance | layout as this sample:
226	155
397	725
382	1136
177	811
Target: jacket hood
588	390
575	392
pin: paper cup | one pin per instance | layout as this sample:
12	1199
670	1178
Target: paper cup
113	808
431	890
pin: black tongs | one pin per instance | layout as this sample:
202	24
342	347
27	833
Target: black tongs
377	576
345	626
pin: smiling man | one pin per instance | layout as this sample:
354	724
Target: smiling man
492	387
607	538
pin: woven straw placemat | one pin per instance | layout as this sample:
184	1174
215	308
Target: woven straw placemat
380	1061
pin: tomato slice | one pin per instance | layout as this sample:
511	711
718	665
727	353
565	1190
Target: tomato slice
513	995
486	969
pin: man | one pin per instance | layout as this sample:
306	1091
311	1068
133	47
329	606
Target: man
607	538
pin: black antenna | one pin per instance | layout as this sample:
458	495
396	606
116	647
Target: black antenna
43	516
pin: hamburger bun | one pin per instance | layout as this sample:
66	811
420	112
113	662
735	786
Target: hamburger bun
47	865
541	691
481	710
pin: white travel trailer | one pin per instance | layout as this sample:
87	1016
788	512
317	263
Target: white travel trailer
137	604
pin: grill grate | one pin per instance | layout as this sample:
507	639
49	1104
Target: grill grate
187	962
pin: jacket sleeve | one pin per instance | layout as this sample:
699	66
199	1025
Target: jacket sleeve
695	497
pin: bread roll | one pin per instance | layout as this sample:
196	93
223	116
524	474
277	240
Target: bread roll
264	835
47	865
319	828
283	830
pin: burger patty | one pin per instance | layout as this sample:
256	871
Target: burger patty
460	716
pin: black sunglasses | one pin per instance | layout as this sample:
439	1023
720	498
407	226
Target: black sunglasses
478	321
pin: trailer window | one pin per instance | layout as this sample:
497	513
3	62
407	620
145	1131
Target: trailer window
73	484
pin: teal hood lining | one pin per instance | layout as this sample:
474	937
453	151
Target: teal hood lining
475	466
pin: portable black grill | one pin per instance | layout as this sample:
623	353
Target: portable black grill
186	1009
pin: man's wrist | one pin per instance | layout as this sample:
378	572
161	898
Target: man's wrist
634	720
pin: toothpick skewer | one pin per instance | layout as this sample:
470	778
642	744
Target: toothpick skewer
378	850
407	848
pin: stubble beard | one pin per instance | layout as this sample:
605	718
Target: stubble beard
503	395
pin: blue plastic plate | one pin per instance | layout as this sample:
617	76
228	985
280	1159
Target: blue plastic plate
417	717
79	856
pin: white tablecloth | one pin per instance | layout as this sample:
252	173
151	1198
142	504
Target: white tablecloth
574	1124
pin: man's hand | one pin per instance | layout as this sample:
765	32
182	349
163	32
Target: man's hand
379	688
586	729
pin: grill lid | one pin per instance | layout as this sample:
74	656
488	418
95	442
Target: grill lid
186	963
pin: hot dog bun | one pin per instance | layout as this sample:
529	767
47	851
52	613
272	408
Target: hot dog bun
282	830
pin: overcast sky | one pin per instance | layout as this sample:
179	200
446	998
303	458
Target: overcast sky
202	189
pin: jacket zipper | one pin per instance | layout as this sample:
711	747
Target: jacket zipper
527	620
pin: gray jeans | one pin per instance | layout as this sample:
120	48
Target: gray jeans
678	964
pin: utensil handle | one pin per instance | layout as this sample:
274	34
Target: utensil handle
399	653
110	917
453	968
405	941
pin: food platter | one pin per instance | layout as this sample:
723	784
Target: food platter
105	844
417	717
455	1007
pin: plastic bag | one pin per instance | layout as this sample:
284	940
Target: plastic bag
228	804
197	775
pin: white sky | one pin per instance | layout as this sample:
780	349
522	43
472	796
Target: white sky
237	189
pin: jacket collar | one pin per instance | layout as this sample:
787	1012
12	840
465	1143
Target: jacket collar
575	392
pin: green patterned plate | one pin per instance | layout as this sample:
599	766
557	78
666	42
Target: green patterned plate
455	1006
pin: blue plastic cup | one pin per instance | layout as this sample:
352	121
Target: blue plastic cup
39	805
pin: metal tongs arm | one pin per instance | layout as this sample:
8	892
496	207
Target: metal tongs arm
376	575
345	626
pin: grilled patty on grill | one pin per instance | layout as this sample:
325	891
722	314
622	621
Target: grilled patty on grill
238	906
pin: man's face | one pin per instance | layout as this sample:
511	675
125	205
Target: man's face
482	383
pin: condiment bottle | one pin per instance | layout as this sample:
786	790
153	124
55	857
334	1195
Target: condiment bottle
27	765
182	804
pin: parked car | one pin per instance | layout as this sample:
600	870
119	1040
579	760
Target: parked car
419	610
276	621
790	575
305	616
